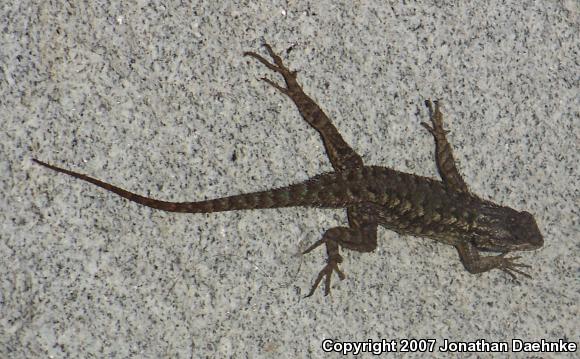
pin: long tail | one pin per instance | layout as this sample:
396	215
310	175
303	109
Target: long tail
301	194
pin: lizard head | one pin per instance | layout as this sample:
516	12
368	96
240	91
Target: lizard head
502	229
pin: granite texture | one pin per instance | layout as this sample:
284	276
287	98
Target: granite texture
156	97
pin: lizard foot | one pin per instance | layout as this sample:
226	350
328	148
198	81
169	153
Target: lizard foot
436	119
510	266
326	273
277	66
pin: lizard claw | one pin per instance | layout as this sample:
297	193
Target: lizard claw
275	85
326	273
314	246
508	265
278	66
436	119
428	128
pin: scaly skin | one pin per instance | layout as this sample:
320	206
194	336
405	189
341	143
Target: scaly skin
445	210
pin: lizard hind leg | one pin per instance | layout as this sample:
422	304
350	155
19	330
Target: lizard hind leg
361	236
340	154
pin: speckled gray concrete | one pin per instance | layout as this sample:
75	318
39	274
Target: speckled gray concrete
157	98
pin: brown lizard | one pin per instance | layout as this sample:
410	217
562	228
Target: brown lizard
445	210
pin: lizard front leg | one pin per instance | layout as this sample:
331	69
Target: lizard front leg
341	155
443	151
474	263
361	236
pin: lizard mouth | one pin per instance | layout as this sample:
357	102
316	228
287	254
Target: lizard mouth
533	238
534	242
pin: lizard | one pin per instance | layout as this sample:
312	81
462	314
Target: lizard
443	210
